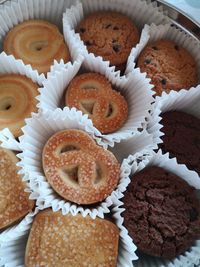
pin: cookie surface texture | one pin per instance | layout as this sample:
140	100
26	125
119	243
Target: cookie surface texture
169	66
36	42
79	170
17	101
66	241
92	93
162	213
181	138
14	202
110	35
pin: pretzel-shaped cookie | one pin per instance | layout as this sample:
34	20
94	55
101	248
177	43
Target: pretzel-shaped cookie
92	93
78	169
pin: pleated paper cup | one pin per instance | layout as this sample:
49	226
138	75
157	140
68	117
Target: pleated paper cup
136	89
136	163
13	242
37	131
16	12
140	12
170	32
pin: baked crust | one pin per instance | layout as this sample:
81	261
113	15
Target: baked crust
14	202
36	42
78	169
92	93
17	101
66	241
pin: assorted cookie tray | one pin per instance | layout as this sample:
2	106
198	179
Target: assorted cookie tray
100	135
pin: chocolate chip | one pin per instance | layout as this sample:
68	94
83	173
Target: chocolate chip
115	28
147	61
163	81
116	47
108	26
114	41
176	47
87	43
154	48
82	30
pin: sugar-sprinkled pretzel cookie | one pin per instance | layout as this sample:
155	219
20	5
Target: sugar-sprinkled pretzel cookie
92	93
78	169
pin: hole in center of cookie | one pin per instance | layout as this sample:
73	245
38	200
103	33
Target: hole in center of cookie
68	148
70	175
88	107
5	104
39	45
110	110
98	177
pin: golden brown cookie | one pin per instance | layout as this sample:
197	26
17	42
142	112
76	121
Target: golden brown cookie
78	169
92	93
110	35
71	241
169	66
17	101
14	202
36	42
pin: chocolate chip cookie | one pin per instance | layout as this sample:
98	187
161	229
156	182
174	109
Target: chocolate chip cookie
169	66
110	35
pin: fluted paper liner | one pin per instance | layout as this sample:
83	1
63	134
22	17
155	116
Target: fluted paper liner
13	242
37	131
137	162
140	12
15	12
170	32
136	89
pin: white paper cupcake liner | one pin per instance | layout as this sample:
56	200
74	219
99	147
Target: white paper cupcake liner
154	33
13	242
136	90
141	12
15	12
37	131
137	162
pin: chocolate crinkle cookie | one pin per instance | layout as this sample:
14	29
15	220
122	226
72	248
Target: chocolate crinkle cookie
110	35
162	213
181	138
169	66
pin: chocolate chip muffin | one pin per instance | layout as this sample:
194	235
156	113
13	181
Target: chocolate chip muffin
182	138
169	66
162	213
110	35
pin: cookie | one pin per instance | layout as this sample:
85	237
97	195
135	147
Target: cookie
14	201
17	101
76	241
36	42
181	138
169	66
162	213
92	93
78	169
110	35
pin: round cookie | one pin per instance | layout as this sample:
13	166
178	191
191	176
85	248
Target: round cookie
17	101
169	66
181	138
162	213
71	241
36	42
92	93
110	35
14	201
78	169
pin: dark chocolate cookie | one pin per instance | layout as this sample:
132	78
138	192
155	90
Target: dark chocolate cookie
182	138
169	66
162	213
110	35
